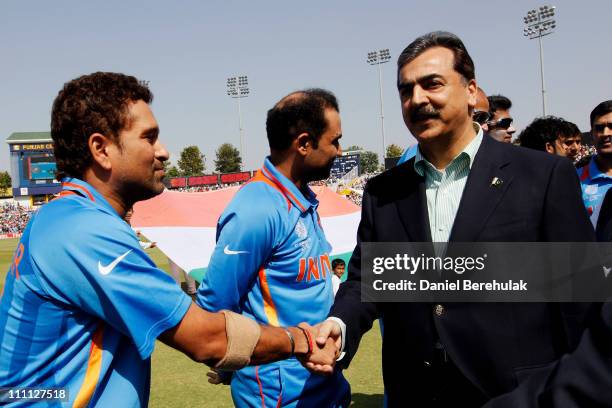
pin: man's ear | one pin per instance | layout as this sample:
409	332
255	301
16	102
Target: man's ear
303	143
472	91
99	148
549	148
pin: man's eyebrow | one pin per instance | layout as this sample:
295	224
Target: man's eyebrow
409	84
154	131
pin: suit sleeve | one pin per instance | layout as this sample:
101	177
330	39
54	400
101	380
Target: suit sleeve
245	238
356	314
565	217
582	377
604	222
579	379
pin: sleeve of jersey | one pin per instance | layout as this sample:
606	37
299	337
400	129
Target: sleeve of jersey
100	268
245	238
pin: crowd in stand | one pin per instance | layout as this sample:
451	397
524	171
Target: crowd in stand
13	218
203	189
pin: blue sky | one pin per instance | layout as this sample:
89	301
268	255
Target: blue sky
187	50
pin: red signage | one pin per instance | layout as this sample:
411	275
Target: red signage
236	177
203	180
178	182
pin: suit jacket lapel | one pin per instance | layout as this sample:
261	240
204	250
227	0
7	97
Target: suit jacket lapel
481	195
412	205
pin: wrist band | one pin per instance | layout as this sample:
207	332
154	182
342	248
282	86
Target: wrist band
292	341
308	339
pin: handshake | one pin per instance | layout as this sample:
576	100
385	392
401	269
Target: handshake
316	347
326	347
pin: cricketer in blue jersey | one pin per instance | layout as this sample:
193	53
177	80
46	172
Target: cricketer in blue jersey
271	262
82	303
596	176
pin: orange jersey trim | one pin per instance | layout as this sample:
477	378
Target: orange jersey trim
282	188
83	189
65	193
94	364
585	173
260	177
269	308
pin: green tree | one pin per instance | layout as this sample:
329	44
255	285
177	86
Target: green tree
394	150
369	162
191	162
352	148
5	180
170	170
228	159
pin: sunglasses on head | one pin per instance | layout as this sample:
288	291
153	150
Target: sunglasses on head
504	123
600	127
481	117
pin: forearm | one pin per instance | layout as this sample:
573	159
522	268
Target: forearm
274	344
202	336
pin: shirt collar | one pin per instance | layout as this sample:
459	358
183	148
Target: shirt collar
71	185
470	151
302	201
594	171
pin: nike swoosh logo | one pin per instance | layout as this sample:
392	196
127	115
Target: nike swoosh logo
105	270
228	251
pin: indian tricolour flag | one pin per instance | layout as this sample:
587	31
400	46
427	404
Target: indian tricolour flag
184	224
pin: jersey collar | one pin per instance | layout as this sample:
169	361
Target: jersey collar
300	200
594	172
72	185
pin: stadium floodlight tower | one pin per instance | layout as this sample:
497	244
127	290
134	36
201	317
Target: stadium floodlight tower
539	23
238	88
378	58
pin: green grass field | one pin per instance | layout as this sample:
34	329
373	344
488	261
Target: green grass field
179	382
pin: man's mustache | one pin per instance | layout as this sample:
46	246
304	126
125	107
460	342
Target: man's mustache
424	112
604	139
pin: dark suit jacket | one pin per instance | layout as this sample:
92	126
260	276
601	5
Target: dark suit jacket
604	222
494	345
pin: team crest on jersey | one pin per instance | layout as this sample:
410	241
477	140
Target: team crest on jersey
300	229
591	189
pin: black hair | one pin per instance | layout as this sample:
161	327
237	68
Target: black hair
337	262
94	103
602	109
463	63
498	102
546	130
299	112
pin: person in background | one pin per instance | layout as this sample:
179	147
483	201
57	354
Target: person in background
499	125
338	267
552	135
596	177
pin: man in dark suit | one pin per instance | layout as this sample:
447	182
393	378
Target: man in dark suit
461	187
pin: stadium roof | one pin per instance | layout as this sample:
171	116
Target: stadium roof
29	137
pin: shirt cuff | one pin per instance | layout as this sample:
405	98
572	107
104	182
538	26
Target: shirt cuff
342	336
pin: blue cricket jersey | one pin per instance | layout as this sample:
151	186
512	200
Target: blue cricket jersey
408	154
83	304
595	185
271	263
